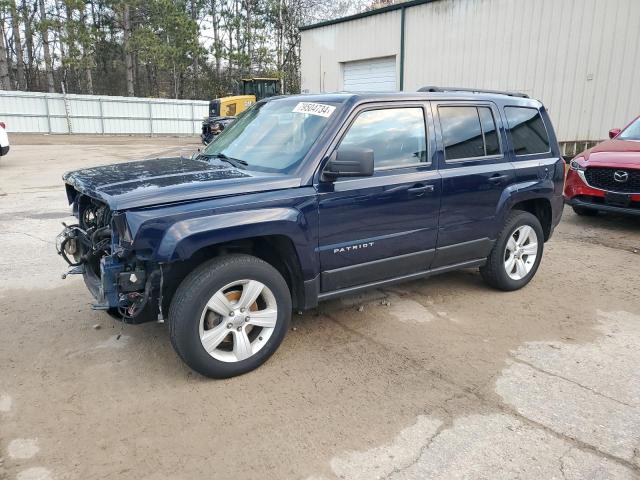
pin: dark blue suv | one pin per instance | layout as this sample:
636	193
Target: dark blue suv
306	198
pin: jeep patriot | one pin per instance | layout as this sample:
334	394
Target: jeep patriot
305	198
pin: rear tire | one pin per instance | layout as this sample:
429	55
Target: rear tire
229	315
516	255
585	212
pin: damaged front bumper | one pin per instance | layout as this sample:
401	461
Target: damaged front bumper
123	289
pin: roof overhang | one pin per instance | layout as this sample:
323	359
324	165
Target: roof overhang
370	13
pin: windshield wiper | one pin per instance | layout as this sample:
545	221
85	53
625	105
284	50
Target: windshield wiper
236	162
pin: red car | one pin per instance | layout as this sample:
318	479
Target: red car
607	176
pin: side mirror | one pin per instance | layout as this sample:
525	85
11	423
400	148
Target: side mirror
614	132
349	162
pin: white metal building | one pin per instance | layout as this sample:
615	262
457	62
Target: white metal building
580	57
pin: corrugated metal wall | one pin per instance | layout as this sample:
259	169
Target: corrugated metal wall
55	113
580	57
324	50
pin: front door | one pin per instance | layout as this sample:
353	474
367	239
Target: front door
476	173
384	226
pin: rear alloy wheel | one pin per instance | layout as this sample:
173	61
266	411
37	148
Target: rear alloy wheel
516	254
229	315
521	252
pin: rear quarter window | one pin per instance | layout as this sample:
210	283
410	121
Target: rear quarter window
528	132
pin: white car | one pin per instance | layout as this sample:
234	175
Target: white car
4	139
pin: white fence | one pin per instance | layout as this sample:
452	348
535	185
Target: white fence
32	112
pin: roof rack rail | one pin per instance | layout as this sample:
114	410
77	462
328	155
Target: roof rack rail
471	90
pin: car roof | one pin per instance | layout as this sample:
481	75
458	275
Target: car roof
361	97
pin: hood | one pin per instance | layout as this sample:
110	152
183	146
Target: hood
614	153
165	180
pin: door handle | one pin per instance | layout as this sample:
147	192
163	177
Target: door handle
498	178
420	190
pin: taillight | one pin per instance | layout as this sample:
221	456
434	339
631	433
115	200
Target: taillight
3	125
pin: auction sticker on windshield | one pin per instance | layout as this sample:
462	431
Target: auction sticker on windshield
314	109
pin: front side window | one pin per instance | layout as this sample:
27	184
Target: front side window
396	136
468	132
528	133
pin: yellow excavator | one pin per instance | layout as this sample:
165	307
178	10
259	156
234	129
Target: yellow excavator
223	111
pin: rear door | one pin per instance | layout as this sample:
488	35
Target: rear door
475	175
384	226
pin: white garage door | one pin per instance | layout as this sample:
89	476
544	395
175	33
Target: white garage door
373	75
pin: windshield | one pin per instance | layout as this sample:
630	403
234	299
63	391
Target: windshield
632	132
273	136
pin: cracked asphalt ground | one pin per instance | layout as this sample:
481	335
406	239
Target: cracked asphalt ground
441	378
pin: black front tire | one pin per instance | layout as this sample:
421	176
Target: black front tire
494	271
585	212
192	296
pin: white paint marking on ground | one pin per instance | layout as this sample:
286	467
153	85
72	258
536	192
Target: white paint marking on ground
5	403
23	448
34	473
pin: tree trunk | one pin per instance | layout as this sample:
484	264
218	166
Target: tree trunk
236	4
249	34
280	47
48	64
230	31
27	18
136	75
58	35
216	38
175	82
17	40
89	80
86	57
196	60
5	81
128	56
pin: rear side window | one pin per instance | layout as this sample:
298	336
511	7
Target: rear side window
396	135
528	133
468	132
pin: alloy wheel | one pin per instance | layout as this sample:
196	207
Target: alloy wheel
238	320
521	252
